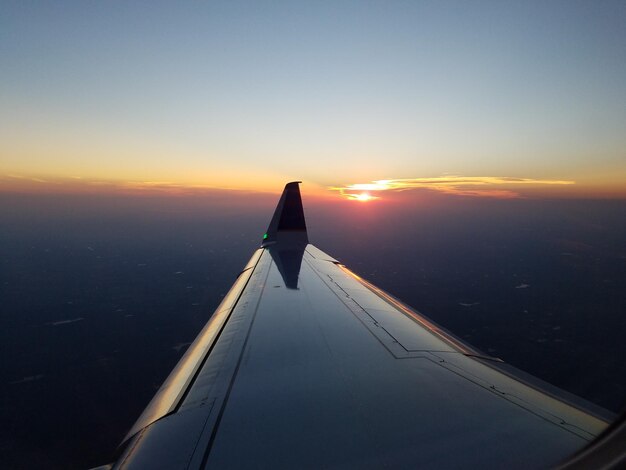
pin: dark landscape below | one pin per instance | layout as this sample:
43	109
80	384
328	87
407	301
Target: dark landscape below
100	296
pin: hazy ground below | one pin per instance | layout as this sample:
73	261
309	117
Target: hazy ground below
101	296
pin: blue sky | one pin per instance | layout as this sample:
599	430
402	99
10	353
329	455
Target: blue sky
331	92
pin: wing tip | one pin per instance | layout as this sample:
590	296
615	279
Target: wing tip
288	223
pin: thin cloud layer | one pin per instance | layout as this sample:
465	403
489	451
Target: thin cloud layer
475	186
78	185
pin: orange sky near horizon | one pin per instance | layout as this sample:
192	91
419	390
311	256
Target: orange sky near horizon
372	191
221	95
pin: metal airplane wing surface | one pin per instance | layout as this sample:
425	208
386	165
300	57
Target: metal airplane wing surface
306	365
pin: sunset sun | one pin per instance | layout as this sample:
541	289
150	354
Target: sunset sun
363	197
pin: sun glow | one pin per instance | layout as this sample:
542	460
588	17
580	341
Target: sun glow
363	197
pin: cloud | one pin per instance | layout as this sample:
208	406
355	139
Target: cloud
502	187
78	184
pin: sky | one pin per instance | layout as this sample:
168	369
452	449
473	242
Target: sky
184	96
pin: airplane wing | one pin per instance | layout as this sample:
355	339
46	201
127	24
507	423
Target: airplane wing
306	365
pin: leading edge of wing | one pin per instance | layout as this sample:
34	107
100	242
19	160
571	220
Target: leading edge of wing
288	227
177	383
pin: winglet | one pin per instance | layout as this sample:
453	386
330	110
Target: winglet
287	225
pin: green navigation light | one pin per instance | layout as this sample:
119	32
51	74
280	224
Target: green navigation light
265	236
